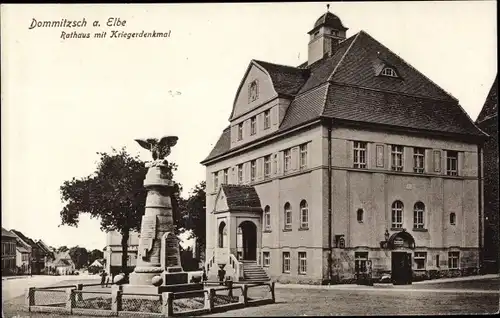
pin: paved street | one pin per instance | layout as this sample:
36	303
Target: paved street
478	296
15	287
461	297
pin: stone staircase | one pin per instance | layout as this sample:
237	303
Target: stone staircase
252	272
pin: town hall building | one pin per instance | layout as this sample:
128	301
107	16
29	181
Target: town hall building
353	159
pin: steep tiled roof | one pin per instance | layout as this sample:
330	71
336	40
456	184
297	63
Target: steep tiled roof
21	249
222	145
490	107
286	79
378	107
26	239
357	69
238	196
7	233
347	85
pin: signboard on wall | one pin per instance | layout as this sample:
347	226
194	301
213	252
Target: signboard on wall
398	242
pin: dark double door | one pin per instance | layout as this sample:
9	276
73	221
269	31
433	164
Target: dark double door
401	268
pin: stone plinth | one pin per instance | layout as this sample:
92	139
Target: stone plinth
158	246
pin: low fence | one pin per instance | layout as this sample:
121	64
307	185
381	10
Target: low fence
90	300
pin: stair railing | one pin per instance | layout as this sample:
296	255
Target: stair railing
210	262
236	265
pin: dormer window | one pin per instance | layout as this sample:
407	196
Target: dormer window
334	32
316	34
389	71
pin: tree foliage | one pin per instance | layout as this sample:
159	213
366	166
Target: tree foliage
95	255
79	256
193	215
114	193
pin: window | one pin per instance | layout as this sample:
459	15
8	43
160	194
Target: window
418	160
316	34
302	263
360	259
453	218
286	262
304	215
267	119
334	32
267	217
437	260
397	157
226	179
267	166
397	214
253	170
288	216
389	72
359	154
216	180
240	173
359	215
253	125
420	259
418	215
453	258
266	259
451	163
240	131
287	160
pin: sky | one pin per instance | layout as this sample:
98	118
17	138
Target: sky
64	100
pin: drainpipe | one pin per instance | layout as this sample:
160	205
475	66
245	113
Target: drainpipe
330	258
480	204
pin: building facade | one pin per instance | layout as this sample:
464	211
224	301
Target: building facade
8	253
488	122
351	160
113	252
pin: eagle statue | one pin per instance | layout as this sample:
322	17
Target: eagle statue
159	148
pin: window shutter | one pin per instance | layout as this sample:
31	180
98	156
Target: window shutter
260	168
274	115
436	158
389	157
234	132
295	158
428	166
460	163
260	122
247	172
279	162
349	153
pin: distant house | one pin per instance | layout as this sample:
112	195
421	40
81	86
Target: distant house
97	264
38	253
8	252
23	255
113	252
62	264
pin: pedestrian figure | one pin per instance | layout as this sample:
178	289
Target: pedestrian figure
103	278
221	274
204	276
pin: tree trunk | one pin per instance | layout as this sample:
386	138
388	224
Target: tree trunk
125	236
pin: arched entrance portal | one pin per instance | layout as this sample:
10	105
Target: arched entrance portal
247	240
401	244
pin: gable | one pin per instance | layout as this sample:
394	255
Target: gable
265	91
221	202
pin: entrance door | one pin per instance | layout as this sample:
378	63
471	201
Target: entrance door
249	240
401	268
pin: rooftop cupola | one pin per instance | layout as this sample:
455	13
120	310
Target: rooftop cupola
327	32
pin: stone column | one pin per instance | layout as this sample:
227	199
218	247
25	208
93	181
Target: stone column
157	221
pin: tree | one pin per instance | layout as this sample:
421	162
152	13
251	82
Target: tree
114	193
79	256
95	254
193	215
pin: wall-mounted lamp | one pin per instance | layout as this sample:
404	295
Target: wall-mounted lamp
385	244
